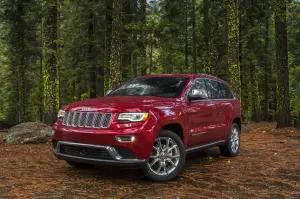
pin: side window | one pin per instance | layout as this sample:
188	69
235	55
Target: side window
226	91
198	84
214	90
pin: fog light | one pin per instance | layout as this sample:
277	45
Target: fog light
125	138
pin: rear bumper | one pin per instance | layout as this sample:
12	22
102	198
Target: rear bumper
113	158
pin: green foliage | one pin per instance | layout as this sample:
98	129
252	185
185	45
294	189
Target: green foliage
238	46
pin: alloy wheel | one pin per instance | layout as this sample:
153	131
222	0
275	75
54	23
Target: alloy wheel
235	140
165	156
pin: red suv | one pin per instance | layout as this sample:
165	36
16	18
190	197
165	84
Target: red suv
151	121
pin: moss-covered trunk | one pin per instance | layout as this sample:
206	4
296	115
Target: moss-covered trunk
50	66
232	7
116	45
284	115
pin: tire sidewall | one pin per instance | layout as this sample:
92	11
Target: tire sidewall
157	178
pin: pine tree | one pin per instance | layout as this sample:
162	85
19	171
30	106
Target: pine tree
117	45
232	7
284	117
50	67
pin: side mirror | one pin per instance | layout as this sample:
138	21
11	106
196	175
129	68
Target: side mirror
109	92
198	94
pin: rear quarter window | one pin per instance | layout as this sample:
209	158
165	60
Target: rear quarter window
226	92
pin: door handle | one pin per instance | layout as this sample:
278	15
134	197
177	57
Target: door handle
211	105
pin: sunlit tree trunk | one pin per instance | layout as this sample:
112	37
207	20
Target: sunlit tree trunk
116	45
232	7
207	44
143	13
50	67
108	33
194	36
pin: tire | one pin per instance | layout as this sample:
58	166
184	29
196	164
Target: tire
228	150
79	165
164	156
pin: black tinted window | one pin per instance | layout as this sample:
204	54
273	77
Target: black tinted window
213	89
169	87
198	84
226	91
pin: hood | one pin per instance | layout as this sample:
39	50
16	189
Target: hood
121	104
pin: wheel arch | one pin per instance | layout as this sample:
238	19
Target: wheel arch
176	128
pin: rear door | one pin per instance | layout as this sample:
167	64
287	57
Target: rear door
226	107
217	98
200	115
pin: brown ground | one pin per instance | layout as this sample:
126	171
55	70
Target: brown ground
268	167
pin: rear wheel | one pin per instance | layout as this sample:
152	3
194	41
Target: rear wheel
167	158
232	147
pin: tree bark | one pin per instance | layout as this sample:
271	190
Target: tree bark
116	46
186	40
232	7
21	62
206	33
284	115
267	68
91	56
50	67
143	4
194	36
108	34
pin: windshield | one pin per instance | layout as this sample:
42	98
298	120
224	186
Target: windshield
169	87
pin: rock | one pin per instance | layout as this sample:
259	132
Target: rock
28	133
5	124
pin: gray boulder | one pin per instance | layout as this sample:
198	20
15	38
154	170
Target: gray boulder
28	133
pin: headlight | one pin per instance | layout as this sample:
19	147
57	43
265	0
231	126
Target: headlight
61	114
133	117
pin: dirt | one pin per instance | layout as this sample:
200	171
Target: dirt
267	167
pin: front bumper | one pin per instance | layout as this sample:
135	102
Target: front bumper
91	154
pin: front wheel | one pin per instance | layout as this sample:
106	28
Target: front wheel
232	147
167	158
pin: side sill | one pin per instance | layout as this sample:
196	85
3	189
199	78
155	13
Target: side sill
197	148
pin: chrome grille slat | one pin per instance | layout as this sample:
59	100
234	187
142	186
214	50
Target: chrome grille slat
106	120
70	118
97	120
76	119
87	119
65	118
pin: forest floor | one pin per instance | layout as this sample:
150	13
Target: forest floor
267	167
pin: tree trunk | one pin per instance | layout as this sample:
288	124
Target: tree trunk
21	62
143	4
232	8
206	31
134	53
108	34
116	45
284	115
91	56
50	67
194	36
186	41
267	68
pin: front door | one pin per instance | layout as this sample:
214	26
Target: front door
201	118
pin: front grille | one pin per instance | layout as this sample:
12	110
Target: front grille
85	152
87	119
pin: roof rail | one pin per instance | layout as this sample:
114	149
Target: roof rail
207	75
